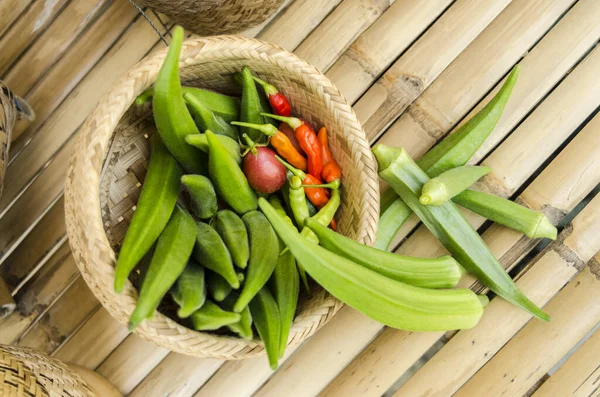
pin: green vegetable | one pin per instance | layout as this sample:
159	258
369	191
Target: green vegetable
210	251
202	194
170	257
189	291
210	317
298	201
154	207
450	183
243	327
224	106
442	272
268	323
228	178
232	230
450	227
324	216
207	120
217	286
264	252
285	285
251	106
388	301
531	223
390	221
171	115
201	142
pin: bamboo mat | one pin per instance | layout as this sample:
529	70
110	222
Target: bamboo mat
414	70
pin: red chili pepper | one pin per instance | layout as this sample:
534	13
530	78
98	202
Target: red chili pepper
318	195
331	170
333	225
277	100
308	142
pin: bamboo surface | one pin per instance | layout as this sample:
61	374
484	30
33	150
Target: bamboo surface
415	71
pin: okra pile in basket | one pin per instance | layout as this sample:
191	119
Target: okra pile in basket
256	219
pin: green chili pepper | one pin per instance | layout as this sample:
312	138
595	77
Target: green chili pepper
251	107
446	222
388	301
298	201
285	285
442	272
225	106
210	251
217	286
202	194
232	230
243	327
285	192
210	317
531	223
264	252
154	207
201	142
450	183
228	178
170	257
207	120
268	323
324	216
171	115
189	291
454	151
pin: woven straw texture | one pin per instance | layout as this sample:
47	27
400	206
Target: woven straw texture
212	17
27	373
110	159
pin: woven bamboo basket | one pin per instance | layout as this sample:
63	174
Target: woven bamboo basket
212	17
109	163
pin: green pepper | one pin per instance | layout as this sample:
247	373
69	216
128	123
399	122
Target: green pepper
442	272
207	120
243	327
217	286
189	291
268	323
228	178
450	183
264	252
154	207
202	195
388	301
210	251
171	115
210	317
324	216
232	230
446	222
172	252
251	106
201	142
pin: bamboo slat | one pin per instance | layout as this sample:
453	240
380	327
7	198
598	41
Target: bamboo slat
341	28
380	45
423	62
10	11
28	27
65	28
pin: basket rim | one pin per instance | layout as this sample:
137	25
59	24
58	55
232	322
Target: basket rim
82	206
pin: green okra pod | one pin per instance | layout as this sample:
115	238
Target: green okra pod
388	301
531	223
171	115
154	208
202	195
268	323
442	272
264	252
243	327
170	257
207	120
201	142
210	251
232	230
450	183
390	221
251	106
217	286
446	222
210	317
189	291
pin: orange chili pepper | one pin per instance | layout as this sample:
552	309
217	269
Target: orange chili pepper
280	142
308	142
333	225
317	195
331	170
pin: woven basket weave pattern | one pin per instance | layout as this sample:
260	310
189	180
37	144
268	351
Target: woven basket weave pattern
119	136
212	17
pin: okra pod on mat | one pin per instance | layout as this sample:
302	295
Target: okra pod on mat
388	301
450	227
450	183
